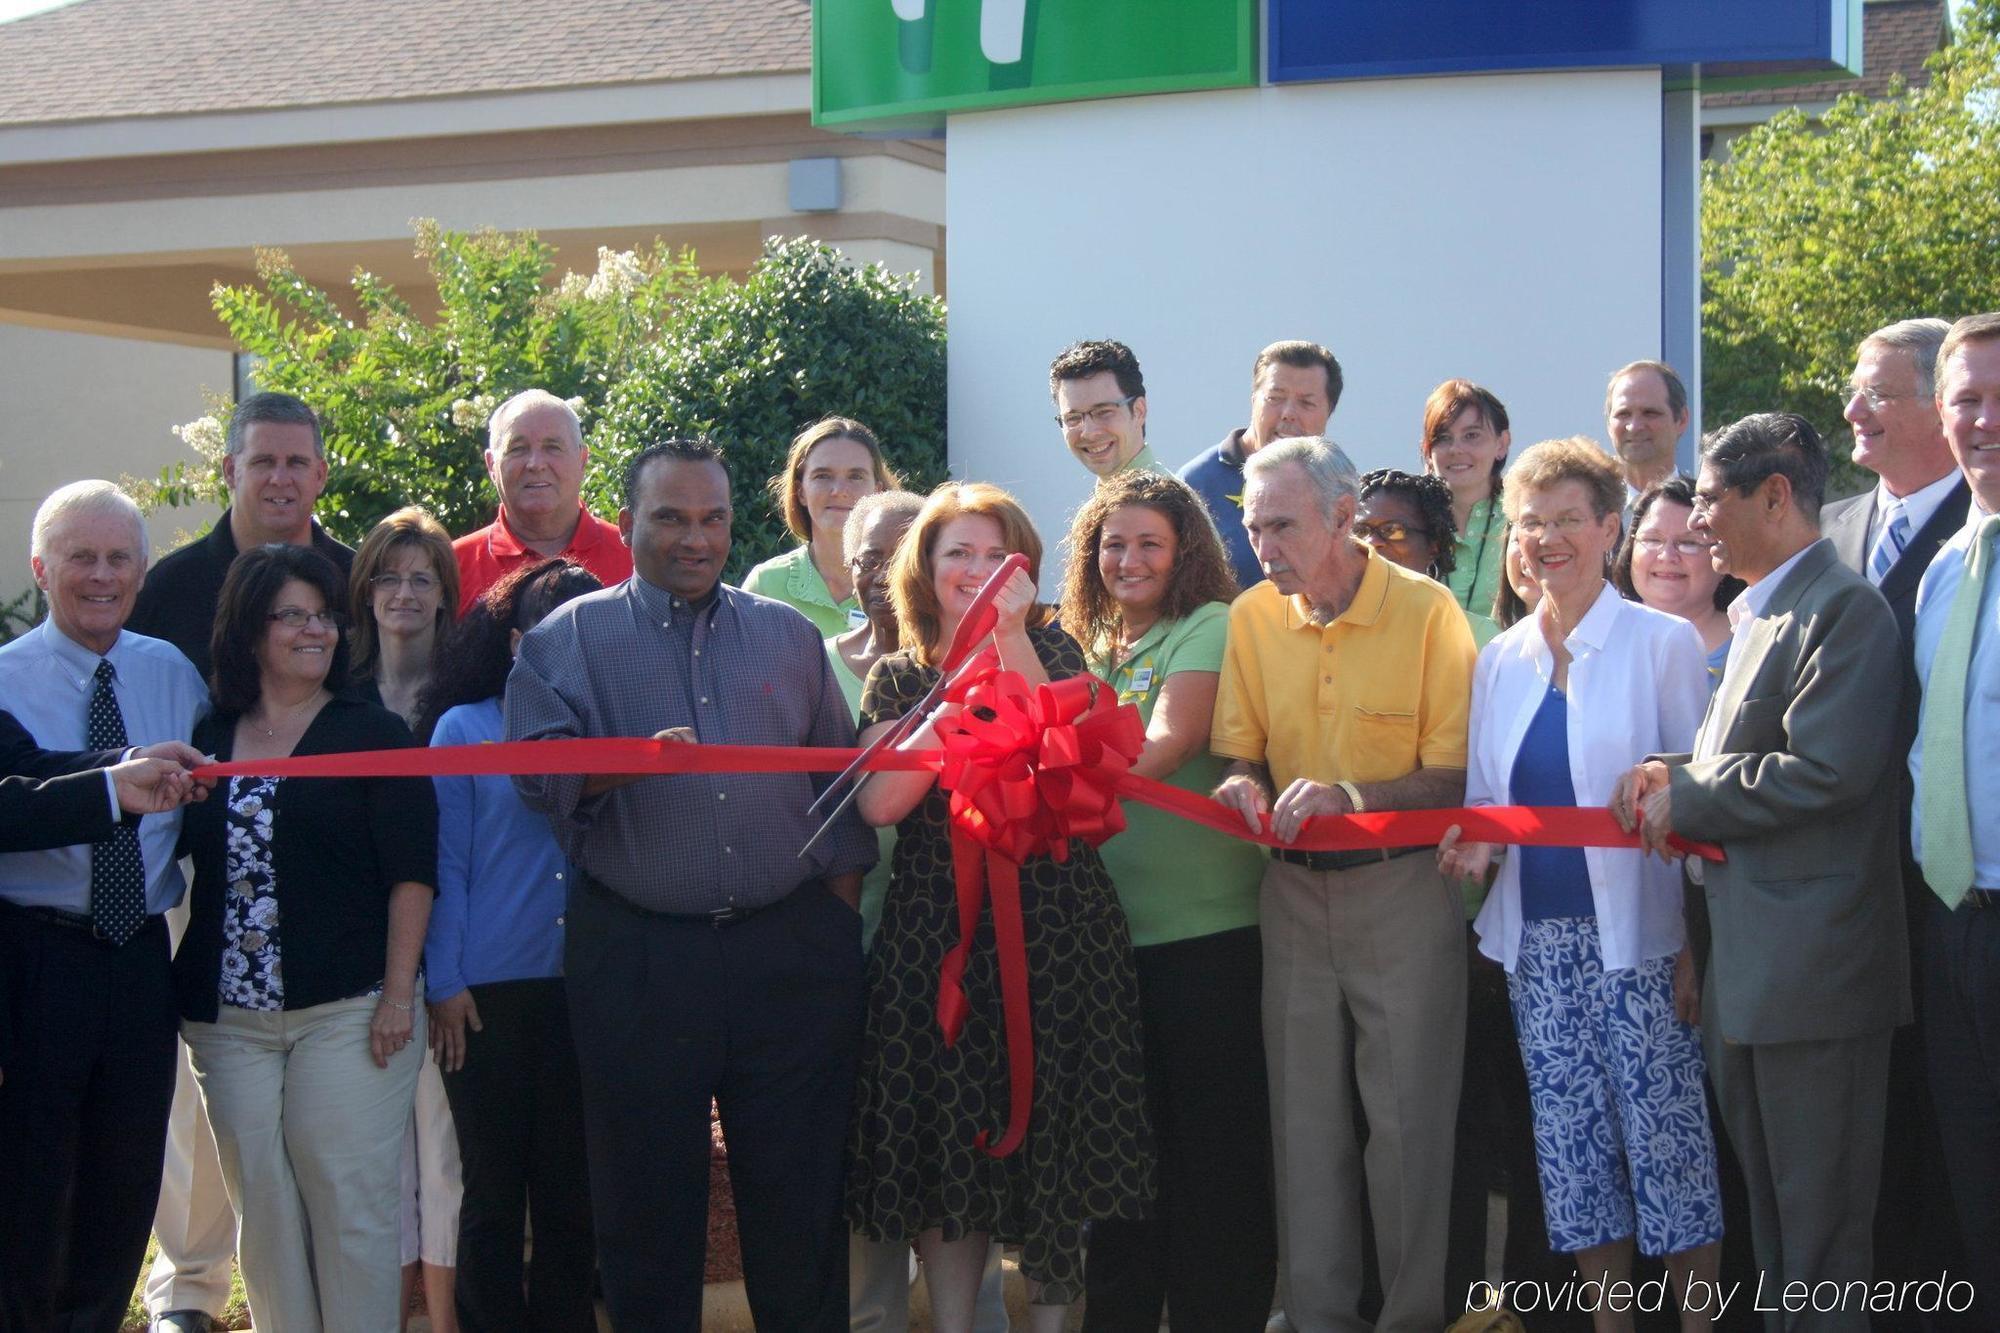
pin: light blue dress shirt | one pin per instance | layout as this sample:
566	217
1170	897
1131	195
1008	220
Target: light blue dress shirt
1982	699
47	679
503	883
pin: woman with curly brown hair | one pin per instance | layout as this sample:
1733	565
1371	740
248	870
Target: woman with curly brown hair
1148	597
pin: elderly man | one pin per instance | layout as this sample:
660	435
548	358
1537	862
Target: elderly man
1889	534
1808	969
274	463
1294	387
1100	399
87	1009
1645	414
536	458
1346	687
1956	829
707	958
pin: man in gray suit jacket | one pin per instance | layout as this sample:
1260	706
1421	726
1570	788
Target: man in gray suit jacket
1809	968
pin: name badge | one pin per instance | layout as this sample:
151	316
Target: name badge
1142	680
856	617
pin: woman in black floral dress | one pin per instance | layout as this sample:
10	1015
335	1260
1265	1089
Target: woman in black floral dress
915	1172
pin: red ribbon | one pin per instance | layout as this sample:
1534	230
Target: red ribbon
1028	771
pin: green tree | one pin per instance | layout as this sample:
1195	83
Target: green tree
748	364
403	396
1813	235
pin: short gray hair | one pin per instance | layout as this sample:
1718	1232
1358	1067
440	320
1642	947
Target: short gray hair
86	497
1921	338
279	408
907	503
1330	471
503	415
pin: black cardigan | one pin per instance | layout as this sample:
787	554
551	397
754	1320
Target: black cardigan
339	845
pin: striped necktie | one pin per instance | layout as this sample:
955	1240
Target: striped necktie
1889	544
1947	821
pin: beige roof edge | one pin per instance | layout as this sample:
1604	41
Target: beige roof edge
485	113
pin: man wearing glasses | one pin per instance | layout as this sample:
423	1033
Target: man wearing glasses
1888	534
1294	387
274	463
1100	399
536	458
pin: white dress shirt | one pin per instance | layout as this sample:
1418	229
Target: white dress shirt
47	680
1982	699
1918	505
1638	682
1744	609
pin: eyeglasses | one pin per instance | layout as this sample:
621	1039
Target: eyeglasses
291	617
869	564
1566	525
419	583
1101	415
1387	531
1690	548
1876	399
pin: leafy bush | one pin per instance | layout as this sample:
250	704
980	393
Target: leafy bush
748	364
403	397
1813	236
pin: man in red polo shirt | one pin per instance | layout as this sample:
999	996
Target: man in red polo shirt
535	455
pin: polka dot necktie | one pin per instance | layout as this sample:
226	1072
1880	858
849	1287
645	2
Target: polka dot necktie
117	871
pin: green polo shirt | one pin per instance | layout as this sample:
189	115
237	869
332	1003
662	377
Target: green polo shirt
1175	879
1482	563
793	578
1143	461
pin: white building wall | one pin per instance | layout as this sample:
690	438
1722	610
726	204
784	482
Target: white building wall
81	406
1503	228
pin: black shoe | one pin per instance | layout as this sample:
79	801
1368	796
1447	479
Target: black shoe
183	1321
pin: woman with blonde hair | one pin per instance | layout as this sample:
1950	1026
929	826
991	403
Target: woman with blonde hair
832	464
916	1172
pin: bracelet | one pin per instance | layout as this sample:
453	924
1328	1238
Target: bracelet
1354	801
406	1008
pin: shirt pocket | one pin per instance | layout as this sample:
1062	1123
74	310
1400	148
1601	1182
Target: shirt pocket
1385	737
1759	724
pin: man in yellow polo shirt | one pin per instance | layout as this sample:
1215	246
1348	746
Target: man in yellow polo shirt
1345	687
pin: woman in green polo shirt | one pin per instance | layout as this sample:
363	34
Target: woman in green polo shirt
833	463
1465	441
1147	596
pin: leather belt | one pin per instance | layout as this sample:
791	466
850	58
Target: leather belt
80	922
1342	860
720	919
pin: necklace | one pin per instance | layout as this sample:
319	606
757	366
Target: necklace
290	717
1492	502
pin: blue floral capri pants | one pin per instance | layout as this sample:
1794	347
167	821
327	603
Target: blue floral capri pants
1622	1136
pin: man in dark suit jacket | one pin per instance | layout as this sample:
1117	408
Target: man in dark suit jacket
54	798
1889	534
1809	965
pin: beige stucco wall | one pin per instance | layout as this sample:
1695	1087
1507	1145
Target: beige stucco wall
82	406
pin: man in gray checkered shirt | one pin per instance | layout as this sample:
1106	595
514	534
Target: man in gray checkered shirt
705	958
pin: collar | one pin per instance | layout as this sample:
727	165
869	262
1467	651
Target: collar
1918	505
804	581
77	663
1146	644
221	539
1364	609
664	609
1594	630
1143	461
1754	600
1230	451
506	544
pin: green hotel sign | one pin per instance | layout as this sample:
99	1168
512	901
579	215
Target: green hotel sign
903	63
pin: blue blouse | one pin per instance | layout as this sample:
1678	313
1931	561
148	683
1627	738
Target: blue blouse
1555	881
503	883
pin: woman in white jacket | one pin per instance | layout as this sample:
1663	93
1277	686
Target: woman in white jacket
1593	938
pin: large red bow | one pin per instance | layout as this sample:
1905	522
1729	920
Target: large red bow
1028	770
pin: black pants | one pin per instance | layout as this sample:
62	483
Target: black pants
1210	1255
518	1106
763	1017
1961	1010
85	1086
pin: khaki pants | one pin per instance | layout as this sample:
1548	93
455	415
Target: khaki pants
310	1135
1369	960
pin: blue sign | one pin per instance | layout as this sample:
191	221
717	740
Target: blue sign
1365	39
